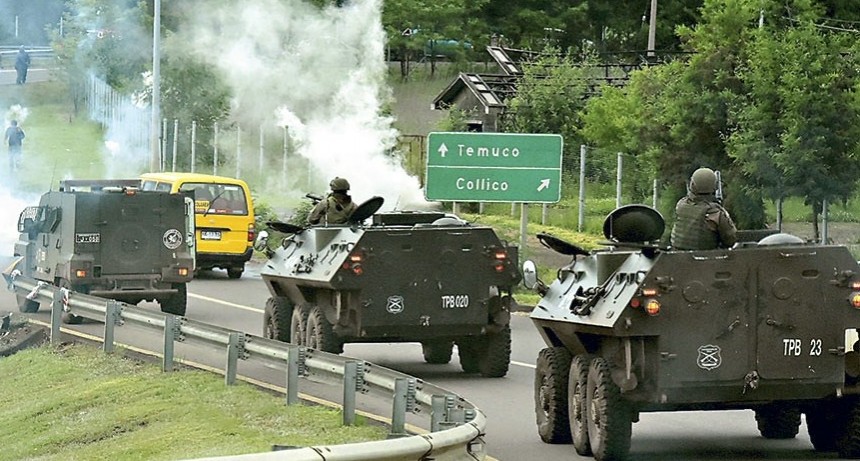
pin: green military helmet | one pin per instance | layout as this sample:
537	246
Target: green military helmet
339	185
703	181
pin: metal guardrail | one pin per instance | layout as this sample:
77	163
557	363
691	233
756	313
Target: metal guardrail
456	425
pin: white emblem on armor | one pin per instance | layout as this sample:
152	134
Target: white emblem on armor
172	239
709	357
395	304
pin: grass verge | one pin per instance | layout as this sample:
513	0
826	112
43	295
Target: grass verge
98	406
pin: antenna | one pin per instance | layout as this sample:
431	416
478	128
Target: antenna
53	174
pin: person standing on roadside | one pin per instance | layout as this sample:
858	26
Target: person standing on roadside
14	139
22	63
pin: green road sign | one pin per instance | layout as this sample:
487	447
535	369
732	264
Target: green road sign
493	167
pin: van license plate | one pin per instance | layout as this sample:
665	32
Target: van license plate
210	235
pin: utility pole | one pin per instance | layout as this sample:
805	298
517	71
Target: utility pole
155	123
652	28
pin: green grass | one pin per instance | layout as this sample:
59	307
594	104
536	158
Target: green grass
80	403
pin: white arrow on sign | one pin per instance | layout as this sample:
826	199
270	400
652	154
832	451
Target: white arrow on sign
544	183
443	149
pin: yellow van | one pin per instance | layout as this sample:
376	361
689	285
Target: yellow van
224	217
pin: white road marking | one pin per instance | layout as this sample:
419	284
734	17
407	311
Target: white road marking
523	364
226	303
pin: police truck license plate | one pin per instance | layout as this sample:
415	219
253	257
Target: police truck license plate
210	235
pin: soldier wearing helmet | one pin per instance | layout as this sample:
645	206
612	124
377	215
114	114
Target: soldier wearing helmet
701	222
336	207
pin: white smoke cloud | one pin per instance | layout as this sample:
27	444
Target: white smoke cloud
320	73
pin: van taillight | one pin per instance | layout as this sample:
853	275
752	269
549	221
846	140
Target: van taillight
252	232
500	259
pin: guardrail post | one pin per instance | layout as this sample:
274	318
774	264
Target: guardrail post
398	412
169	337
56	316
352	382
112	318
232	359
295	360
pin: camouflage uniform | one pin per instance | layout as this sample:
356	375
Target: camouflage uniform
337	207
701	223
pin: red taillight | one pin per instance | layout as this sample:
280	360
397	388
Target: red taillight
353	262
855	285
252	232
500	258
81	273
635	302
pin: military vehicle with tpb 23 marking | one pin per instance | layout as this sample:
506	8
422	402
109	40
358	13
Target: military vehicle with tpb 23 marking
425	277
108	238
635	327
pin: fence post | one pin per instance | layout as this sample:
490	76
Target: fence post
524	224
654	200
169	337
618	182
262	153
232	358
215	150
238	150
193	144
163	143
175	141
581	220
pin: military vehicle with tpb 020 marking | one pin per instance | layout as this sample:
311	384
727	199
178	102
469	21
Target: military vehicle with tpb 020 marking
108	238
635	327
425	277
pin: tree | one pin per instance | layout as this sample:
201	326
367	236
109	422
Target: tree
796	132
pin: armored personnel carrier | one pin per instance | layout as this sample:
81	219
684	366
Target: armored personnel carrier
107	238
406	277
634	328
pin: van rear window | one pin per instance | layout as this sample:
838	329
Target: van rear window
217	199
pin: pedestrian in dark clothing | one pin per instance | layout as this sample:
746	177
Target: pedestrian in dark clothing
14	137
22	63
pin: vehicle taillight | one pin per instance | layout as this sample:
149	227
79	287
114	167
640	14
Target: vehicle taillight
354	262
252	232
647	297
183	271
500	259
81	273
855	300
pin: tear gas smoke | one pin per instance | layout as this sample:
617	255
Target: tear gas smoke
321	74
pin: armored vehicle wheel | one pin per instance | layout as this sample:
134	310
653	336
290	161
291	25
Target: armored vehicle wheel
496	354
299	324
551	374
848	443
235	272
177	302
821	422
778	421
276	319
320	334
468	350
576	410
609	421
437	351
27	305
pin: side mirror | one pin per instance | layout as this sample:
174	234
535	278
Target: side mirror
262	241
530	279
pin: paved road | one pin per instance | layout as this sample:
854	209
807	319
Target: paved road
507	402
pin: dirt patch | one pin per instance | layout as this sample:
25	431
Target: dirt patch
19	335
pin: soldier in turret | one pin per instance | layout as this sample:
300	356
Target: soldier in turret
701	222
336	207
